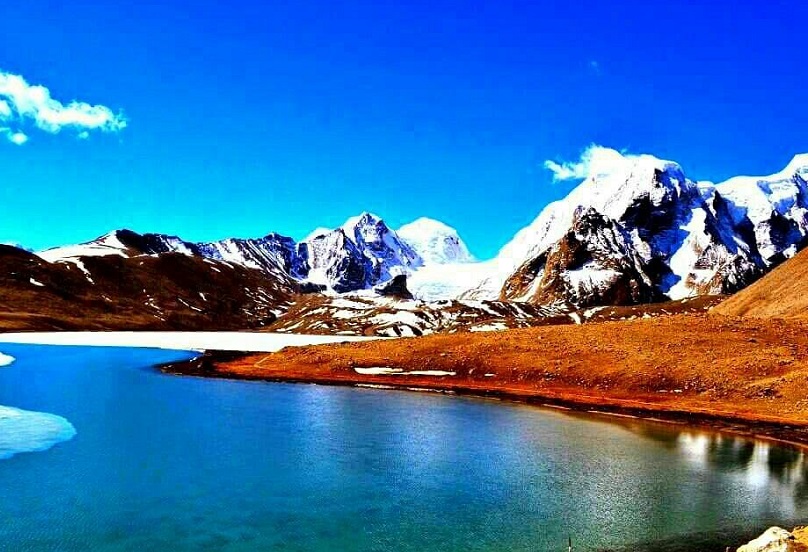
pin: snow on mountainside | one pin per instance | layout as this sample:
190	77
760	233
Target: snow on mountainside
123	243
435	242
132	289
774	205
434	282
360	254
636	229
108	244
448	268
647	223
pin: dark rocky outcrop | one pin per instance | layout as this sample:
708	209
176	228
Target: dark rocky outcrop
592	264
397	288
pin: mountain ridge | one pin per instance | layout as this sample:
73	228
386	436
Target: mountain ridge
360	254
635	231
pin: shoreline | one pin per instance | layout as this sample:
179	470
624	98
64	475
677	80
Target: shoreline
213	364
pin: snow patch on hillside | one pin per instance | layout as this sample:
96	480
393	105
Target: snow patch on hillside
108	244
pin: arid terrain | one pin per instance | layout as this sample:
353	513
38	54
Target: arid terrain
783	293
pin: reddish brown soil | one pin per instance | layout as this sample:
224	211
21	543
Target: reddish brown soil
745	374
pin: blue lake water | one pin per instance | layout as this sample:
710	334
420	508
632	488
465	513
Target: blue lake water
171	463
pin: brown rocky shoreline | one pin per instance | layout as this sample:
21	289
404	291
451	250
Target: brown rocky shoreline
213	364
737	375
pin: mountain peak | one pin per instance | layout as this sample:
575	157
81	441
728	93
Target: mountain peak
108	244
365	227
364	218
428	224
799	164
435	242
317	232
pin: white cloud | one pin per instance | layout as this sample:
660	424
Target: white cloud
594	65
25	104
15	137
595	160
18	138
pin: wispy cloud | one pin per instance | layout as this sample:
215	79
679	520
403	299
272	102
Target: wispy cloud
594	160
23	105
594	66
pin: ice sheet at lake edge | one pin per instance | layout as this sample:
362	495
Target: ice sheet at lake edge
180	341
26	431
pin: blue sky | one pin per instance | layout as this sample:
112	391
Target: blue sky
243	118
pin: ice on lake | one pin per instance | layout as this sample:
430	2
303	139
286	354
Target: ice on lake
27	431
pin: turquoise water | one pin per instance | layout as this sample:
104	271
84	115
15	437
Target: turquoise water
170	463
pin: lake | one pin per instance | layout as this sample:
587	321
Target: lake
171	463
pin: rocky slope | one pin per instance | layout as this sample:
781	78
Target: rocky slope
373	314
643	231
127	290
777	539
783	293
399	315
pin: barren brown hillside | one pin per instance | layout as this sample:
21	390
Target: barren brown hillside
783	293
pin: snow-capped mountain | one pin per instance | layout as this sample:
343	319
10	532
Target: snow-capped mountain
637	230
435	242
121	243
361	254
643	231
448	268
